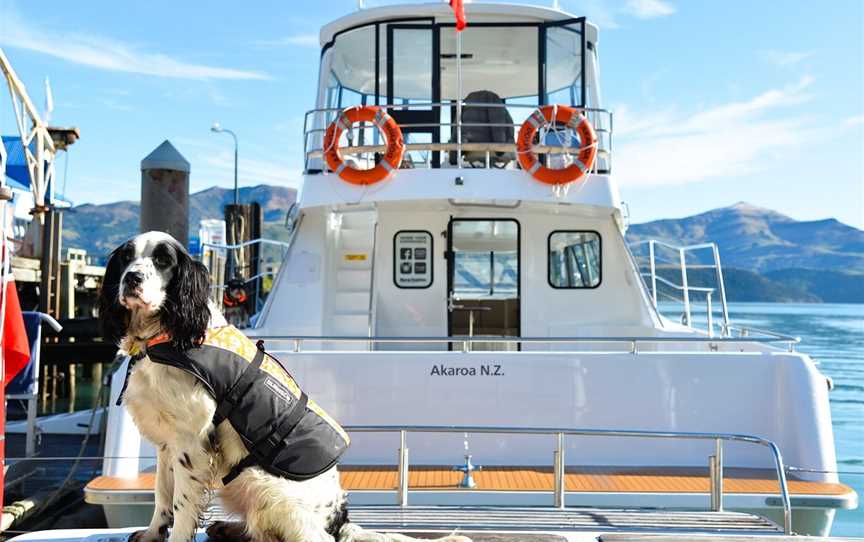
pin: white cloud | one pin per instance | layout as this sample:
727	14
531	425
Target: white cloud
785	58
668	147
853	121
108	54
218	169
300	40
597	11
648	9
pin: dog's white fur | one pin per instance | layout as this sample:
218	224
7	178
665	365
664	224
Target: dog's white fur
174	411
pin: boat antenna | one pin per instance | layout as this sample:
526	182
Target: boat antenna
361	4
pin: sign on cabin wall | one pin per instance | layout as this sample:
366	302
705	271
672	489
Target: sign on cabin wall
412	259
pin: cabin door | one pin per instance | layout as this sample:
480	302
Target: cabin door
483	280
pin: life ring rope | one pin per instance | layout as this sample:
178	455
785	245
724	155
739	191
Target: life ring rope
344	122
549	116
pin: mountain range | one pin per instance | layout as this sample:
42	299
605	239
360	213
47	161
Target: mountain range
766	256
763	240
100	228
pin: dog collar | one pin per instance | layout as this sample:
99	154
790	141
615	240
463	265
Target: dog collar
159	339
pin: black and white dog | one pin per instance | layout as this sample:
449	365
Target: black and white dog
152	287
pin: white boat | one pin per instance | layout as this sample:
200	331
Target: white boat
463	308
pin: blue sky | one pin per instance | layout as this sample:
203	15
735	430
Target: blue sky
714	102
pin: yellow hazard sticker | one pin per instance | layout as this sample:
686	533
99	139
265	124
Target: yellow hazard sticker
355	257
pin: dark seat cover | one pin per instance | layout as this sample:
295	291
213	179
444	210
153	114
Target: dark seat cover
486	134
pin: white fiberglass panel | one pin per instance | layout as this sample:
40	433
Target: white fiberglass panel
477	184
615	306
297	299
777	396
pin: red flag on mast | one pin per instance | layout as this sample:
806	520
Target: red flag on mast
459	10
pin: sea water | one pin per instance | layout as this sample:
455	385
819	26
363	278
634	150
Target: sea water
833	335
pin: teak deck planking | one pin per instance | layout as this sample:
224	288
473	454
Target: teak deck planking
577	480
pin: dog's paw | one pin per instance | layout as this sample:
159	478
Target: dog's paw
148	536
228	531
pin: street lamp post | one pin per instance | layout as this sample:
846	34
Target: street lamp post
232	263
217	128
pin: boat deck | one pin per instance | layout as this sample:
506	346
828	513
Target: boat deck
613	487
584	479
666	480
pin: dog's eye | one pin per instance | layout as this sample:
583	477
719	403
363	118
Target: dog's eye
127	254
162	261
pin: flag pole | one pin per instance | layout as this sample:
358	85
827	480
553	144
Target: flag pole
459	98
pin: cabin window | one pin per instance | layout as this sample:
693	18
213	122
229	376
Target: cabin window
485	259
574	259
412	259
350	69
564	64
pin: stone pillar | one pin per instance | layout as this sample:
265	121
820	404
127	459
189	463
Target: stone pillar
165	192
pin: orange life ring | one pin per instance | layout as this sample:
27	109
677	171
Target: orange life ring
385	123
574	119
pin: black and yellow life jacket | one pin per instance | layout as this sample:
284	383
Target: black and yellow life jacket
287	434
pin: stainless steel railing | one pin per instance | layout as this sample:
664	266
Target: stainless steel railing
680	266
316	122
630	344
214	258
715	461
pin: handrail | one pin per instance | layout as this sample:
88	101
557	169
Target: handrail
245	244
673	247
467	341
218	283
684	287
247	281
315	123
481	147
677	287
449	103
715	461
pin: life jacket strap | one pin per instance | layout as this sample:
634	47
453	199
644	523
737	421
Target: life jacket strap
264	452
244	464
232	398
269	447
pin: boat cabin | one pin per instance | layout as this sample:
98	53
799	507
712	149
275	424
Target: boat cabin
459	240
413	64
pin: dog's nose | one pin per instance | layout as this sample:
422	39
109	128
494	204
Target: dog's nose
133	279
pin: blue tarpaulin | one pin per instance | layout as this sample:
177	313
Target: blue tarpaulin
16	163
17	176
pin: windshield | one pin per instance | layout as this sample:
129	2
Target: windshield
507	70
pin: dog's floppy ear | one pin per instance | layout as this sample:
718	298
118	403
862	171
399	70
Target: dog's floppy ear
185	313
113	317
